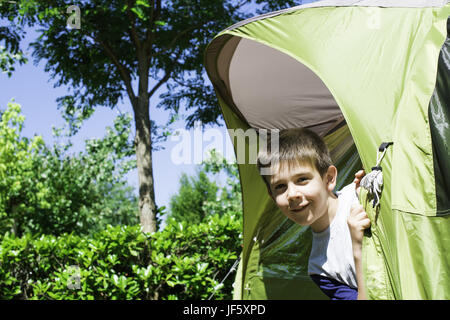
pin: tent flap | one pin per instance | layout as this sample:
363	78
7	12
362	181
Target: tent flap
439	115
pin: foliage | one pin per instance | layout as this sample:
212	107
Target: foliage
16	167
198	197
135	47
8	59
269	6
187	204
230	200
183	261
10	37
119	38
45	190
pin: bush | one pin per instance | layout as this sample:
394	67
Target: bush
181	262
198	196
45	190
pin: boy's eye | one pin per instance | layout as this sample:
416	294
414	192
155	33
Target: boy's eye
302	179
279	186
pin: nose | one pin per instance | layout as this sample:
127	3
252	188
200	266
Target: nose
294	192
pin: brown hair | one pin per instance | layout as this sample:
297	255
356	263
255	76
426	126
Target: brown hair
296	145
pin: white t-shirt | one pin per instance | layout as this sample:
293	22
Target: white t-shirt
331	254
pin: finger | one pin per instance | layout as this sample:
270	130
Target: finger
361	216
365	223
356	219
360	174
356	208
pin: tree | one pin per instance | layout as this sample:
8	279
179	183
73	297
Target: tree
230	200
46	190
132	48
194	192
10	37
8	59
198	197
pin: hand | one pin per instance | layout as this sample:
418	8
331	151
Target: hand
358	177
357	221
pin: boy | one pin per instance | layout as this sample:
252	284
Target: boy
301	183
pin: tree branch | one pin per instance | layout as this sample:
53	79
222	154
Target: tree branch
166	76
160	83
176	38
184	84
133	34
155	13
125	74
157	10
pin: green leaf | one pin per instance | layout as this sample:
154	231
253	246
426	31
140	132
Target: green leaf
143	3
161	23
139	12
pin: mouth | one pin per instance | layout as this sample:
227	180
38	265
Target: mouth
300	209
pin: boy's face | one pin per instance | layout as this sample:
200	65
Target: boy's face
303	194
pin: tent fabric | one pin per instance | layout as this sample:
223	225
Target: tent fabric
359	75
439	115
346	3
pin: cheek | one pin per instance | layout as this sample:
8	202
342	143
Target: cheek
281	201
314	191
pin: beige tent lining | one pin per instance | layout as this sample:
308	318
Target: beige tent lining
300	97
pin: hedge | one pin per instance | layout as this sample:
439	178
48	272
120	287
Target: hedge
181	262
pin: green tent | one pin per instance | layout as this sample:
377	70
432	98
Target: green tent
359	73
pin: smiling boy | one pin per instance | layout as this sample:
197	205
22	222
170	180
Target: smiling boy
302	185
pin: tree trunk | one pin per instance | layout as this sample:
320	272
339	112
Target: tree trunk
143	141
143	145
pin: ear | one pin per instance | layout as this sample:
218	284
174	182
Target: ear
331	178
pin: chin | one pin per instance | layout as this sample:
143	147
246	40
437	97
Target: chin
303	220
